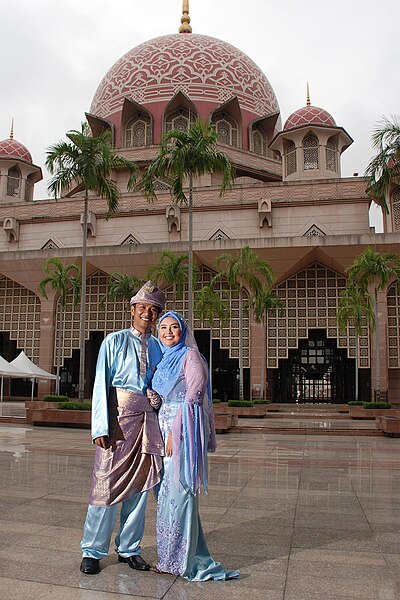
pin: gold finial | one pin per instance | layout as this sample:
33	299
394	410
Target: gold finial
12	129
185	19
308	95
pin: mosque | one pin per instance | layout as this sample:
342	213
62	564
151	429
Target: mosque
289	203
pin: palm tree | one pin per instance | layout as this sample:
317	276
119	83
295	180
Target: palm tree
208	306
384	168
172	270
262	304
355	307
86	163
186	155
61	279
121	285
375	269
243	270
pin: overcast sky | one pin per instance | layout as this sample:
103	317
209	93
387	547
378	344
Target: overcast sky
54	54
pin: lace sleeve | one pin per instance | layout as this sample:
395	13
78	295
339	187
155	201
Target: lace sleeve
189	432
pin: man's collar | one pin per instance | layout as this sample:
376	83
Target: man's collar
138	333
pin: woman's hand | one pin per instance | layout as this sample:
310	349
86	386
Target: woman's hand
168	448
102	441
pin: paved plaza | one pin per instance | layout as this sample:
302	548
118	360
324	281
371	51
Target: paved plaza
304	517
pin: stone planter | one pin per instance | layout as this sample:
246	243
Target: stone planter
64	418
359	412
389	425
29	404
224	423
257	411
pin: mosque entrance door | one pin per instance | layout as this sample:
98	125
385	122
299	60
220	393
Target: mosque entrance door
316	372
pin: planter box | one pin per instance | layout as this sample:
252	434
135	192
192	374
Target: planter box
359	412
54	416
257	411
389	425
224	423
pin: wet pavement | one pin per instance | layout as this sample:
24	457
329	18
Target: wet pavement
302	516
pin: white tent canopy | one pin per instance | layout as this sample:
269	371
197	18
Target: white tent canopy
23	363
9	370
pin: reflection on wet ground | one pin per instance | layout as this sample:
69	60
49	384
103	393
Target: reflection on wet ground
302	517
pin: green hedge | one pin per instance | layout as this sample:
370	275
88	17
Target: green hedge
355	403
216	400
244	403
55	398
377	405
75	406
261	401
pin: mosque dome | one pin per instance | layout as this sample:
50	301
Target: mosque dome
207	70
309	115
11	148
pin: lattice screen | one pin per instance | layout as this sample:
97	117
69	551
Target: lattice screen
228	336
310	300
104	315
393	308
20	316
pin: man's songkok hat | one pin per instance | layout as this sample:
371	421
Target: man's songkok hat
150	294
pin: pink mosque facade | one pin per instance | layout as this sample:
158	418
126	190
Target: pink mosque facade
289	203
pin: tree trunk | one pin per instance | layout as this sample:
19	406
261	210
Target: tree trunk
241	394
210	367
357	354
81	389
58	361
377	350
190	256
263	355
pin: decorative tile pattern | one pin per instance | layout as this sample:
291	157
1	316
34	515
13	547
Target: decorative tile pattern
309	115
12	149
205	68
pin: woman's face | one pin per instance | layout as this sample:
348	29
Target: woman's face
170	332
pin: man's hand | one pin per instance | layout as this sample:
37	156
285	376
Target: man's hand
102	441
154	399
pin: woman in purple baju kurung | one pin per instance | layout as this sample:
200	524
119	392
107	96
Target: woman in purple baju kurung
187	425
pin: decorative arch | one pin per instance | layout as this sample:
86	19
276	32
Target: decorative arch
180	113
14	179
138	131
331	156
396	209
393	308
310	300
310	152
291	158
20	316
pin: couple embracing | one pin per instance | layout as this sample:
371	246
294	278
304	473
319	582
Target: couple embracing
138	450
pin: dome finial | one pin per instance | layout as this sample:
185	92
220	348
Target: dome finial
185	19
308	95
12	129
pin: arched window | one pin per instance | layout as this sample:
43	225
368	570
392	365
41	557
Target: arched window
291	159
138	131
180	119
396	209
13	182
226	128
310	150
259	142
331	156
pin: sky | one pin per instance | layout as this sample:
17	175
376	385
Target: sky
54	54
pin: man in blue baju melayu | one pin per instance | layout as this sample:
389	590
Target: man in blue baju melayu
129	446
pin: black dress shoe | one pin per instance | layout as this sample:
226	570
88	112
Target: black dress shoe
135	562
90	566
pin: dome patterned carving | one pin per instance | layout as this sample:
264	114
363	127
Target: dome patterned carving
309	115
12	149
205	69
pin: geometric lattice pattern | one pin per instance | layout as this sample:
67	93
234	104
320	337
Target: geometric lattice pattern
105	315
310	301
396	209
309	115
228	336
20	316
314	230
393	308
101	314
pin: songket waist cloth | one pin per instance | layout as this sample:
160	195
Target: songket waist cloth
133	462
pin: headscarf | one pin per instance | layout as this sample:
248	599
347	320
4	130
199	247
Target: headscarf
170	366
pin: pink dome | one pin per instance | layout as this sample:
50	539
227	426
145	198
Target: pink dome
12	149
206	69
309	115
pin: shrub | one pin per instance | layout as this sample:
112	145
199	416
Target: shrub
355	403
261	402
75	406
244	403
55	398
377	405
216	400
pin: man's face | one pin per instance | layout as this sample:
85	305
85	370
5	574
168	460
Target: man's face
144	316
